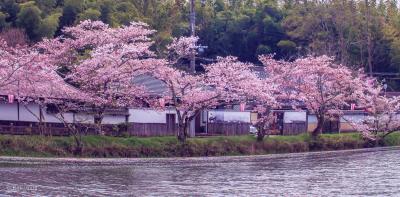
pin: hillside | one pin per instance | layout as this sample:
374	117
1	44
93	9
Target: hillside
359	33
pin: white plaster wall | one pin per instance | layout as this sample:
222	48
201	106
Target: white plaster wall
215	116
237	117
353	118
289	117
25	115
110	119
9	111
312	119
149	116
52	118
69	117
229	116
84	118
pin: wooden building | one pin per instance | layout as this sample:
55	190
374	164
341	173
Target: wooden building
147	122
339	124
227	122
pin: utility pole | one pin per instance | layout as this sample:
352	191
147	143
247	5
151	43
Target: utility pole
368	32
193	33
385	86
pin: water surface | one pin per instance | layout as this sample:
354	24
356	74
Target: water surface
368	172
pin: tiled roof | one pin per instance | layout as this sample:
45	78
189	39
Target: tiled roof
152	84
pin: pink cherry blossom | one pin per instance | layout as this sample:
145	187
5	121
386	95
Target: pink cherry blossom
321	86
382	117
102	61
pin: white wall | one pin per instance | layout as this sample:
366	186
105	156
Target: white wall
84	118
149	116
52	118
229	116
111	119
289	117
25	115
352	118
312	119
215	116
9	111
237	117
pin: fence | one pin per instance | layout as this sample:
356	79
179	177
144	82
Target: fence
294	128
150	129
131	129
59	129
228	128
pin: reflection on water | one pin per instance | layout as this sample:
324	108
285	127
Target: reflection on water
372	172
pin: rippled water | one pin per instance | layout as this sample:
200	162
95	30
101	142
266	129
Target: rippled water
370	172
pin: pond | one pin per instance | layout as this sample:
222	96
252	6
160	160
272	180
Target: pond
367	172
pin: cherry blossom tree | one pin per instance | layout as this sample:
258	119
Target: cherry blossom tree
270	92
189	94
101	62
52	91
14	63
238	83
28	76
79	126
265	101
323	87
383	116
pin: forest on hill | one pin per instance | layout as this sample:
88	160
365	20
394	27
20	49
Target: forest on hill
361	34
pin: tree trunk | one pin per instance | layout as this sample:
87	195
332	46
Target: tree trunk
260	135
182	132
318	130
181	135
42	122
78	145
98	122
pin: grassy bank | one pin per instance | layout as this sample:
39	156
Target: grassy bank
102	146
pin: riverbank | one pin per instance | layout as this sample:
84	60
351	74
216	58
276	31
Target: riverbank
103	146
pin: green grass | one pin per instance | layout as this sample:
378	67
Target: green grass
104	146
393	139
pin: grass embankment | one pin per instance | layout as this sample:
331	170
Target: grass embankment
102	146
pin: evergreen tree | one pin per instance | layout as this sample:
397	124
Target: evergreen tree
29	19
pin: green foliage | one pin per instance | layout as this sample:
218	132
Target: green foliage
243	28
70	12
46	5
392	139
263	49
11	9
29	18
49	26
287	47
90	14
3	22
125	12
106	10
